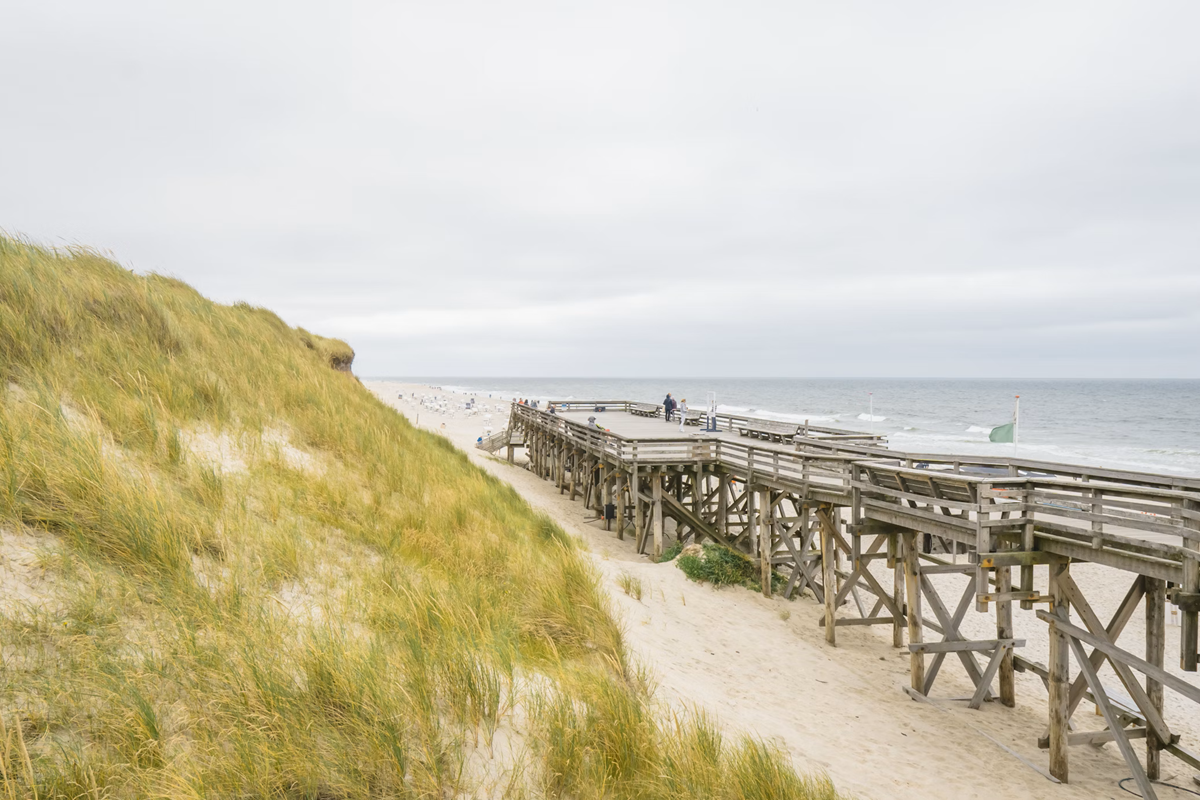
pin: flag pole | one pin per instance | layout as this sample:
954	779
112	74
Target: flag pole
1016	423
871	409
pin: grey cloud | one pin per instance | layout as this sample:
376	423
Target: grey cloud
649	188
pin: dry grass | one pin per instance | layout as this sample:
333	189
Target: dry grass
631	585
341	607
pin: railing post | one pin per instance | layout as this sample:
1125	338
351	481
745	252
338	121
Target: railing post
1191	584
983	545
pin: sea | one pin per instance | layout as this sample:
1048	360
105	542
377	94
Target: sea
1144	425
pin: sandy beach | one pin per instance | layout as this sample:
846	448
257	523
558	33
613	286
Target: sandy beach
762	666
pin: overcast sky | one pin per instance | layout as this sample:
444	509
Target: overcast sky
637	189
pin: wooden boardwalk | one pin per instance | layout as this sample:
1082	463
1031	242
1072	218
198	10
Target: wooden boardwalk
818	508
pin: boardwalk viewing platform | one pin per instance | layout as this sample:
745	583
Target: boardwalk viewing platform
862	527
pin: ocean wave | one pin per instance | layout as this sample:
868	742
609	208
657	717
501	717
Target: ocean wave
869	418
775	415
978	429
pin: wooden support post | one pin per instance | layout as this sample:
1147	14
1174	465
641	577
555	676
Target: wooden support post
751	518
574	472
1004	630
912	583
560	472
1156	632
621	505
829	574
639	530
723	504
897	562
766	538
1059	680
656	480
602	497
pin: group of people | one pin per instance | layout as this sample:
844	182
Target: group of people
670	407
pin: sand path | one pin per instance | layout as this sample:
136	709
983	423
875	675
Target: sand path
763	666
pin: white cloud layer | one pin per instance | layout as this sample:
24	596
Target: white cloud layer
792	188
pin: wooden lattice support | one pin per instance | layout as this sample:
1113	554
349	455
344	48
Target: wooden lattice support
787	510
953	641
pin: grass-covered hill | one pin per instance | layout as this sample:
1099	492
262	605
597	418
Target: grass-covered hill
226	570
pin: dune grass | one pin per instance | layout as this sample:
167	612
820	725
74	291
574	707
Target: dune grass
256	580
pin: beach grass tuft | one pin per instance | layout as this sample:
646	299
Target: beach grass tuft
631	585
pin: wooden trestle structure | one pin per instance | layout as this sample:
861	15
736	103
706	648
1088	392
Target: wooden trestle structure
820	511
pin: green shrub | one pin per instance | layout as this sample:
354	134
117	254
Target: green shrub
670	553
721	566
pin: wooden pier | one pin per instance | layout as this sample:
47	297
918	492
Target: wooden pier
817	507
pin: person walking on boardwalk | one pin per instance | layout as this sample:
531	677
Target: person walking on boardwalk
668	406
682	413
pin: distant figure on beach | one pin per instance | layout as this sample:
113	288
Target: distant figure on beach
682	413
668	406
592	422
551	409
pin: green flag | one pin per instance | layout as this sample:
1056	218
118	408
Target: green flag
1004	433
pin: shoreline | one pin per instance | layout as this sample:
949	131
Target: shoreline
762	666
1100	433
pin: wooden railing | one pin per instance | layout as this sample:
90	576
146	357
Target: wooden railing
495	441
1067	513
1074	510
725	421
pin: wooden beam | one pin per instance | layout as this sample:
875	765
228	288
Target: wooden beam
1113	720
1158	673
961	645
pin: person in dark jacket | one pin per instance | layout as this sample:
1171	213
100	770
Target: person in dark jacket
668	406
